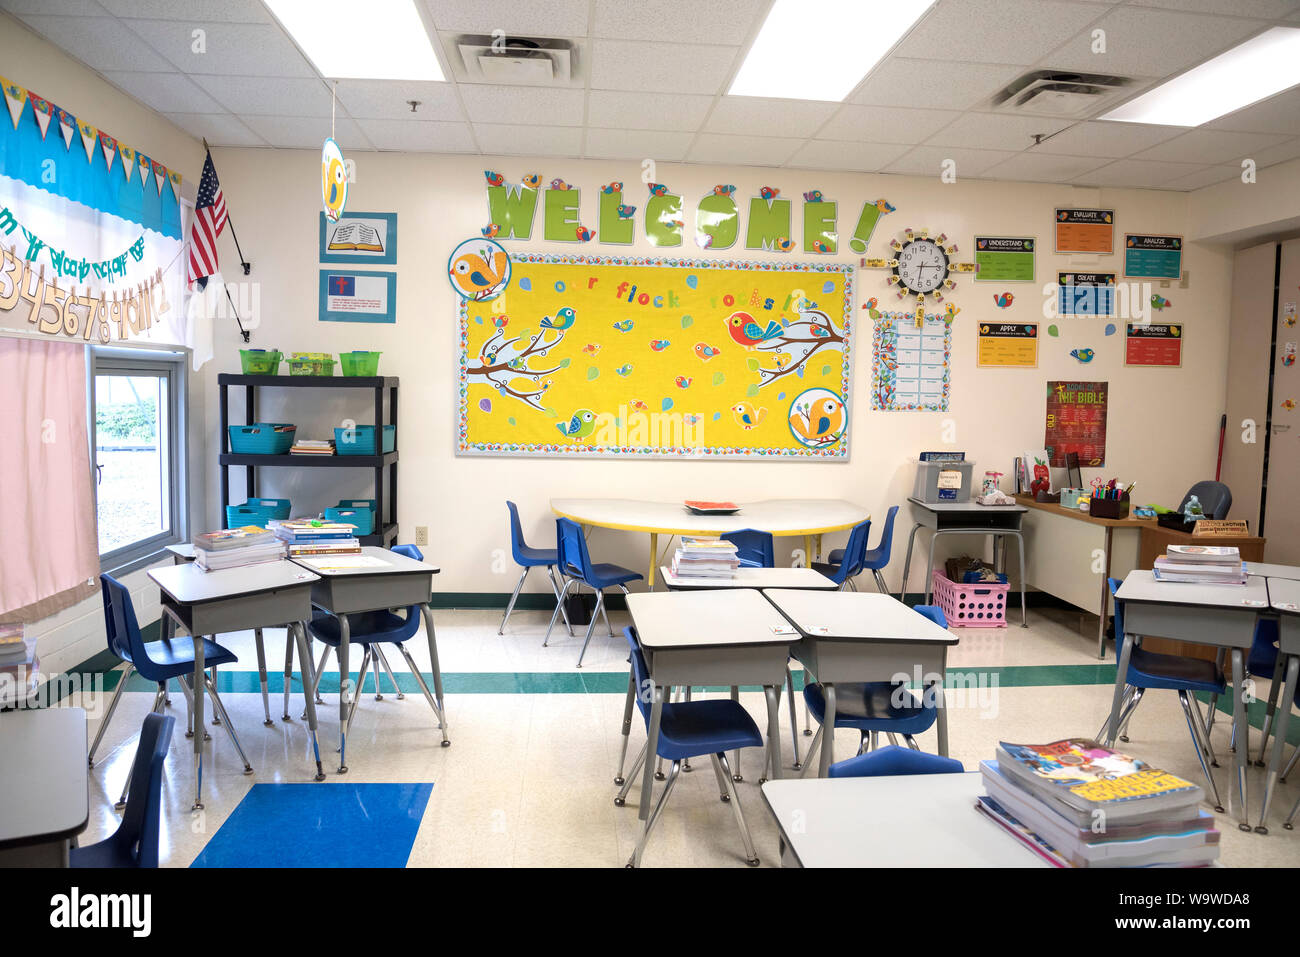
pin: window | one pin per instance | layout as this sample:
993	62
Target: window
137	433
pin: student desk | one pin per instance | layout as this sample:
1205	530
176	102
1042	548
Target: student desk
751	578
45	798
1222	616
966	518
732	637
1284	599
1273	571
806	518
863	636
387	580
910	820
238	599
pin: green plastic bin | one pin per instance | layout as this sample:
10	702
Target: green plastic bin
359	363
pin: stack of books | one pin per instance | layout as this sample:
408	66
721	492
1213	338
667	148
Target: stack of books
1203	564
711	558
233	547
312	447
307	537
19	665
1076	803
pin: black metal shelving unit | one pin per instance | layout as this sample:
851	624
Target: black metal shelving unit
386	504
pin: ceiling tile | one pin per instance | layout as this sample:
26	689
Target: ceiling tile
1206	177
880	124
1146	42
660	67
637	145
304	132
195	12
99	42
538	18
928	85
751	150
930	160
1263	9
220	129
1278	154
387	99
516	104
231	49
1113	139
726	21
996	131
833	154
418	136
1139	174
995	31
164	92
647	111
1043	168
268	96
1277	114
529	140
58	8
1210	146
761	116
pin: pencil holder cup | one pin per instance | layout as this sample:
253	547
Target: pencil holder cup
1109	507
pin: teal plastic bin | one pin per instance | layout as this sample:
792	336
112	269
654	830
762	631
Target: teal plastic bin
361	440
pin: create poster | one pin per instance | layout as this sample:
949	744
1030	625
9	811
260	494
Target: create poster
641	357
1085	231
1085	293
1153	344
1076	422
1005	258
911	371
1007	344
359	238
1153	257
356	296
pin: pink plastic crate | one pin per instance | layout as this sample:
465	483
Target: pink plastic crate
982	605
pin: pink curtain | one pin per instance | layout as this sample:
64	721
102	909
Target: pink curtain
49	551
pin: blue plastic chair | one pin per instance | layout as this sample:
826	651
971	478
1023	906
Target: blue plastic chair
1187	676
873	707
158	662
529	558
849	563
135	842
372	630
877	558
576	567
691	729
753	547
891	760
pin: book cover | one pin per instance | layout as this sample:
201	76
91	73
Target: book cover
1087	774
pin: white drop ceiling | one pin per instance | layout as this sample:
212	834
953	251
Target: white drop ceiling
652	78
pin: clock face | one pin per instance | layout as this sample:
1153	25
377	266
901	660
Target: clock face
922	265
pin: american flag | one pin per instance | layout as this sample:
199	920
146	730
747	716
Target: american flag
209	221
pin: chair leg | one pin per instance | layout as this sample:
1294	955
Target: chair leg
875	740
604	612
1291	817
108	716
600	604
720	763
379	654
639	763
419	679
159	700
1273	688
379	691
187	688
1195	725
559	606
628	705
1123	704
673	773
808	761
1127	716
911	742
555	577
225	720
880	581
261	675
893	738
513	598
1290	765
324	658
361	680
1219	659
794	719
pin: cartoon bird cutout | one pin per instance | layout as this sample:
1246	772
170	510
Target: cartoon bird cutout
659	345
693	419
614	187
824	419
624	370
500	321
563	319
683	381
785	244
625	211
558	183
1003	299
474	276
1288	360
533	180
885	206
1288	404
782	360
584	234
813	196
704	351
624	325
1159	302
769	192
723	189
493	178
591	348
871	305
657	189
580	426
334	180
1083	355
820	247
636	405
747	417
951	310
490	230
748	333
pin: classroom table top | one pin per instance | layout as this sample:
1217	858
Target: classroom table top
1272	571
1284	595
971	506
1140	586
390	563
45	796
913	820
753	578
182	550
188	584
849	615
674	620
778	516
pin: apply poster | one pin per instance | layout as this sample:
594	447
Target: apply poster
1076	422
639	357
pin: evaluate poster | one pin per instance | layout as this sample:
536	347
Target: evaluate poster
1085	231
1005	258
1013	344
1076	422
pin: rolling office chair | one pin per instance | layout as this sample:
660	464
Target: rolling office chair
753	548
1215	499
891	760
851	558
159	662
689	729
529	558
575	566
135	842
877	558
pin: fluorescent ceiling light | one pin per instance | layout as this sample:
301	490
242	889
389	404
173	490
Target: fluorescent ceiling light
370	40
1246	74
821	49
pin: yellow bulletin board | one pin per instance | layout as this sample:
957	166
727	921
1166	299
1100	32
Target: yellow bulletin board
662	358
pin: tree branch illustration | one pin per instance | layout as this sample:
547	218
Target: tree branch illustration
501	360
820	332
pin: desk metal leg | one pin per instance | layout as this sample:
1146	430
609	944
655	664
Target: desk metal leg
794	720
345	691
907	563
298	635
807	551
440	707
941	708
929	565
198	722
628	705
1020	548
654	557
828	731
1239	719
773	694
1112	725
737	776
1105	594
1279	742
647	774
261	675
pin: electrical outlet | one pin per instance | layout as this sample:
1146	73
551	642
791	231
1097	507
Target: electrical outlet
422	534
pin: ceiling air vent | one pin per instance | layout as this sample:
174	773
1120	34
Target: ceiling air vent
1057	93
534	61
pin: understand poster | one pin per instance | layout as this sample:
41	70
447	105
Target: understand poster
356	296
912	368
1153	257
640	357
1153	344
1005	258
1007	344
1085	293
1085	231
1076	422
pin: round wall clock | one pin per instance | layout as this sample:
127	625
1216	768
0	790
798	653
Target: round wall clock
921	266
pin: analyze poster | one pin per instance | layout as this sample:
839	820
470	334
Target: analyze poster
1076	422
1153	257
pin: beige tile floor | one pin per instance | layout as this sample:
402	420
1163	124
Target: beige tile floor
528	780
